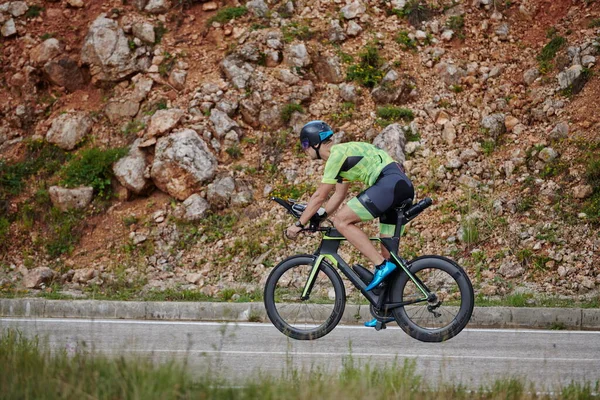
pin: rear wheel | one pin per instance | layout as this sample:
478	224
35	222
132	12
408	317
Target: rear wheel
312	317
446	312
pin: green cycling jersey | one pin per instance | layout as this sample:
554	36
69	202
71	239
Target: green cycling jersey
355	161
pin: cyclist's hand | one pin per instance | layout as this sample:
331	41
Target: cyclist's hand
292	231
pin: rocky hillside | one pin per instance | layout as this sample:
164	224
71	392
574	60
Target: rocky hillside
141	140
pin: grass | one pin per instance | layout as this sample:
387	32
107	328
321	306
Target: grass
592	176
367	72
226	14
288	110
34	11
457	24
529	300
92	167
405	42
41	160
415	11
29	370
390	114
549	52
296	31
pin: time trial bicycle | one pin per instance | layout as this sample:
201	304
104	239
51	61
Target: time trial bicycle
430	297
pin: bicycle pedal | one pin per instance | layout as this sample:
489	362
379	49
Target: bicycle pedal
380	325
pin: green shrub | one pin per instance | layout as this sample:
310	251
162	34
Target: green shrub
64	232
294	31
457	24
34	11
159	32
592	173
405	41
133	127
412	136
367	72
4	231
167	64
234	151
346	112
41	158
226	14
288	110
549	52
390	114
416	11
470	233
92	167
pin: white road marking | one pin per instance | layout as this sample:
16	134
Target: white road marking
262	325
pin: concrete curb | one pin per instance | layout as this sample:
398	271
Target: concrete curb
483	317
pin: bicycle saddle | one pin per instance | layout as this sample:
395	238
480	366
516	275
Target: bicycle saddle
405	205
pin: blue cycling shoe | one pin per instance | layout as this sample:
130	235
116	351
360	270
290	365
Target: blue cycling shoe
372	323
383	270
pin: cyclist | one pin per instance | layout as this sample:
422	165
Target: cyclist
351	162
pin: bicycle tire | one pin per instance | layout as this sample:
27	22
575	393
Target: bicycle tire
433	271
280	286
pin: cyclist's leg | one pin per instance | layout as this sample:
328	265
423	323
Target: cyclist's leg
345	221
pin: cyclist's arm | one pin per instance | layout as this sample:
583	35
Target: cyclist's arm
341	190
318	198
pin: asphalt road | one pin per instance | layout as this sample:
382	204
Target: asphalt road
474	358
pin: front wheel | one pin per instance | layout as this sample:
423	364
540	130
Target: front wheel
309	317
446	312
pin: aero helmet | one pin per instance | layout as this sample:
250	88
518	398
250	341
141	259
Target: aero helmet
313	134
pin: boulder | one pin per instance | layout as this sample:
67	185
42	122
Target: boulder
46	51
38	277
144	31
296	55
353	29
193	208
328	67
222	123
547	154
449	73
572	79
130	170
393	89
106	50
66	199
583	191
353	10
494	125
530	76
392	140
177	79
237	70
68	129
163	121
117	110
258	7
336	32
66	73
17	8
220	192
9	28
157	6
182	163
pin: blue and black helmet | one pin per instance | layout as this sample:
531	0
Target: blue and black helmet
313	134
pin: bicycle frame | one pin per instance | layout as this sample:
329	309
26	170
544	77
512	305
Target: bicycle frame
328	249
